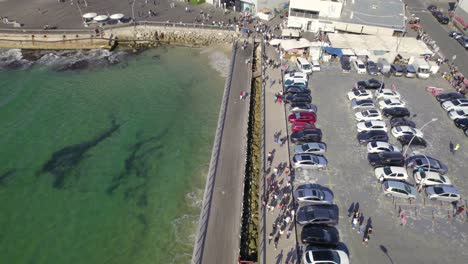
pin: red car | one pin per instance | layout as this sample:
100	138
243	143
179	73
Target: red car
302	117
299	126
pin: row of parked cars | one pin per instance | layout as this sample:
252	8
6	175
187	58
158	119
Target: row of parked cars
317	213
456	106
391	167
439	15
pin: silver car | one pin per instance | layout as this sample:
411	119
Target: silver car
364	103
318	148
309	161
399	189
313	194
443	193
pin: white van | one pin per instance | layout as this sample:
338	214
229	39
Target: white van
304	65
359	66
315	66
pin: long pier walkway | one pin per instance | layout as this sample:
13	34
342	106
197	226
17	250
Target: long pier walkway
218	237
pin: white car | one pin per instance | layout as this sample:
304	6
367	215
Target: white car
399	131
457	104
383	94
325	256
368	115
371	125
445	193
359	95
381	146
309	161
360	104
457	114
315	66
360	67
391	173
388	103
427	178
296	76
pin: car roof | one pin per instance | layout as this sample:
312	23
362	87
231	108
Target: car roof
396	184
446	188
397	169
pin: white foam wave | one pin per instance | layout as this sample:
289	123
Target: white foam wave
12	58
185	229
220	62
195	198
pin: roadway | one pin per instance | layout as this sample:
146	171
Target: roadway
224	221
438	32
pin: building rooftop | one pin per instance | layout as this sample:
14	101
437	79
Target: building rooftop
381	13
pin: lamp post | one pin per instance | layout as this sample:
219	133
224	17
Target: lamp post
414	135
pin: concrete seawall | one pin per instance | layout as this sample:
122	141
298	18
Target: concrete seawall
128	35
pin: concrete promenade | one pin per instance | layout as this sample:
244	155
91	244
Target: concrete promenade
274	122
218	239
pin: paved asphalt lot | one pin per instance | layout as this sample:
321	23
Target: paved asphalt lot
429	236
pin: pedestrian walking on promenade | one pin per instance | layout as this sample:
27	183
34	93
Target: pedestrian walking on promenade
270	237
277	237
451	147
354	222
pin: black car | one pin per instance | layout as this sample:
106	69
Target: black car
427	163
370	84
397	70
401	121
417	141
321	235
298	98
372	68
393	158
431	8
440	17
372	135
396	112
345	64
461	123
297	89
306	136
318	214
448	97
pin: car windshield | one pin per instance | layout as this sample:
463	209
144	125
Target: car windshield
306	67
388	101
387	170
315	160
456	102
324	255
305	147
408	189
368	124
438	190
361	66
306	157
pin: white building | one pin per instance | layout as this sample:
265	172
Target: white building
461	14
372	17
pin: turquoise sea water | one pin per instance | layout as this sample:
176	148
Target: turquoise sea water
106	165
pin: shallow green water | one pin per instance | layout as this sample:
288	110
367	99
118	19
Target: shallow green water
106	165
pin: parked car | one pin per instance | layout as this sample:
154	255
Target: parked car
371	125
359	94
391	173
415	140
383	94
410	71
461	123
309	161
390	103
457	114
298	98
364	103
399	189
296	76
427	178
381	146
463	40
382	159
397	70
299	126
302	117
372	68
298	83
315	66
396	112
302	107
427	163
326	256
443	19
368	115
432	8
444	193
313	194
399	131
370	84
320	235
401	121
360	67
345	64
297	89
448	96
317	148
372	135
317	214
306	136
455	34
456	104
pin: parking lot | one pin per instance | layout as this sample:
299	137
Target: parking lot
431	235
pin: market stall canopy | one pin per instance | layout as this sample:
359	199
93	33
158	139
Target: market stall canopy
347	52
333	51
376	42
275	42
116	16
290	33
100	18
89	15
361	52
289	44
